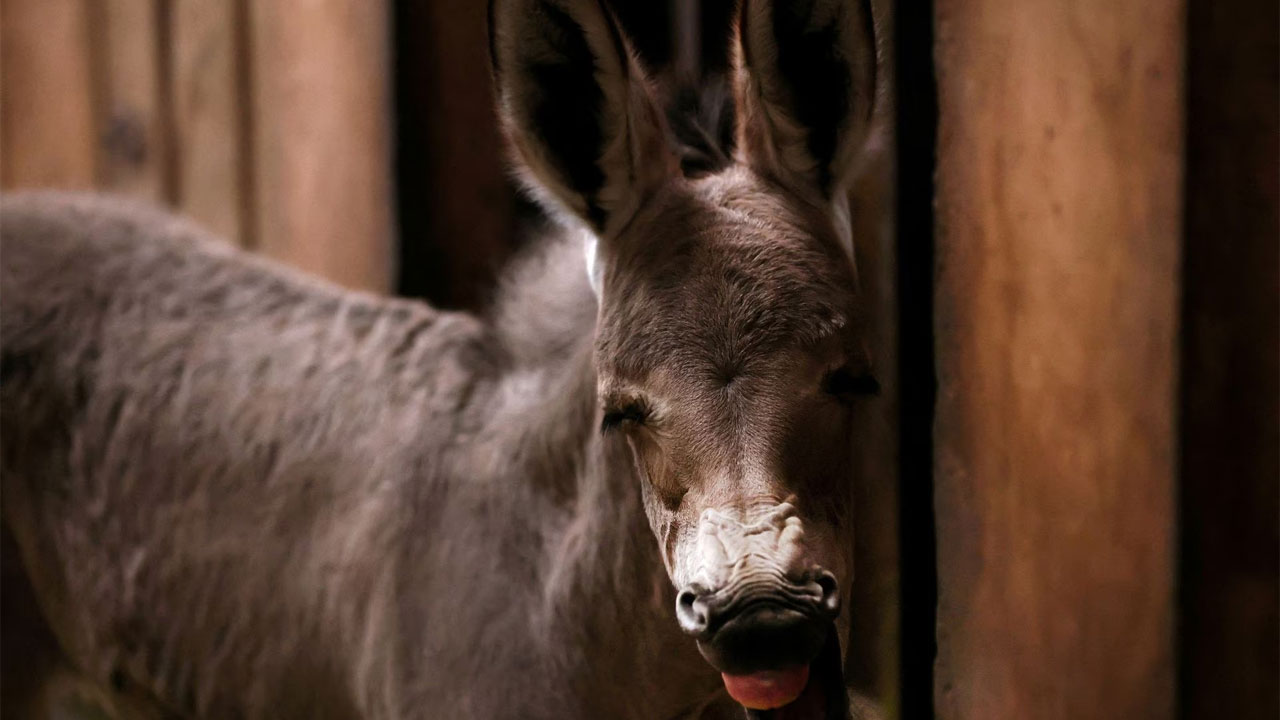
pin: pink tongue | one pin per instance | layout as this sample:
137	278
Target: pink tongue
767	690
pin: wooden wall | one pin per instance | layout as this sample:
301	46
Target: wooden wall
458	204
1105	338
1059	235
269	122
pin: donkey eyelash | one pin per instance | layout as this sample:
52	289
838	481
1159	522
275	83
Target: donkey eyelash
614	418
845	384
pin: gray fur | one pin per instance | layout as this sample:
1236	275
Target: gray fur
230	490
250	493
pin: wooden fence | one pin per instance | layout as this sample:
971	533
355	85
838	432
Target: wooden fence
1105	317
1059	214
269	122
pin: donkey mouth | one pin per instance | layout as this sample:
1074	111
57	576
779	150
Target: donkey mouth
802	692
767	689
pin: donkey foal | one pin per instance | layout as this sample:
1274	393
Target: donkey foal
234	491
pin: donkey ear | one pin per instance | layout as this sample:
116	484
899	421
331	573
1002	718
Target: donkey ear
806	86
586	134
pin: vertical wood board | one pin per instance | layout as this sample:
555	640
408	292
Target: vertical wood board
46	95
1059	177
131	129
321	137
457	204
208	107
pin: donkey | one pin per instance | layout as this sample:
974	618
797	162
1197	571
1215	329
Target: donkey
230	490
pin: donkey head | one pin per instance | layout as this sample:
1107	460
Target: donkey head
728	343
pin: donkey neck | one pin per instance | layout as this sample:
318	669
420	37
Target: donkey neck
604	601
605	593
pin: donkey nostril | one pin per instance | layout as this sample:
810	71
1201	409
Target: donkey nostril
691	612
830	591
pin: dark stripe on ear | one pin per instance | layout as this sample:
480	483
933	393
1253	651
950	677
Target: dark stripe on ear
811	67
566	105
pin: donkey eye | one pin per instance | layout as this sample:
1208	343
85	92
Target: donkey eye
615	417
845	384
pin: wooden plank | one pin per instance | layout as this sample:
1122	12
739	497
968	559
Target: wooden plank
321	137
46	108
208	106
457	197
1230	642
1059	180
132	146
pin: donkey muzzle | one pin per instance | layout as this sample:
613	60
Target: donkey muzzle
771	623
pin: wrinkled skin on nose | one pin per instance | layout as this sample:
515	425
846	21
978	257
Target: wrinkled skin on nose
755	600
740	562
763	609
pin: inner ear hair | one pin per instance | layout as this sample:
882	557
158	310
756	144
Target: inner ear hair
806	88
575	108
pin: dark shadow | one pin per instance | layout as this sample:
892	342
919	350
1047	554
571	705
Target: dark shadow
916	131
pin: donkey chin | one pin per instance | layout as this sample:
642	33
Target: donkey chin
763	615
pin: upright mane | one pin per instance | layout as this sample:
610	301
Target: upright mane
544	309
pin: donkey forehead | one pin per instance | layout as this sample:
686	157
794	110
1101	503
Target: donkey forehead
722	276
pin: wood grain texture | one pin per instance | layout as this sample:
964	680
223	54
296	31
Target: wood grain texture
46	95
132	136
1059	177
208	107
321	137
